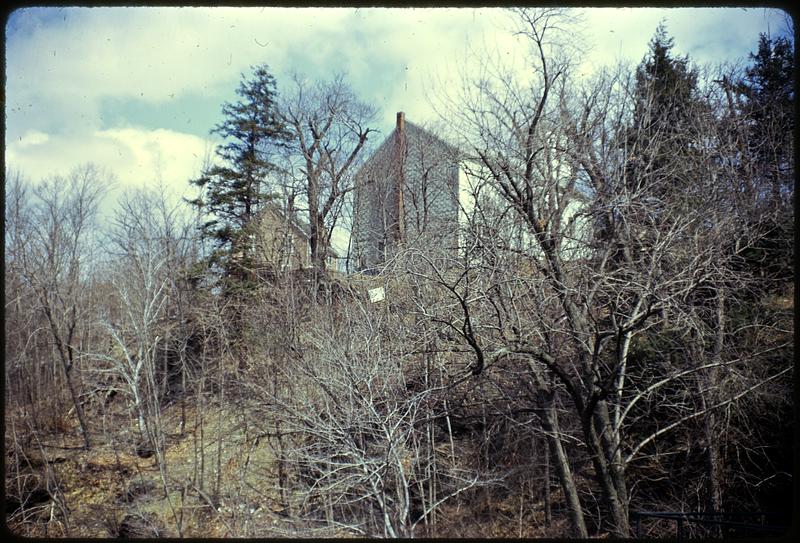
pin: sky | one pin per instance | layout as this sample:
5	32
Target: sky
136	90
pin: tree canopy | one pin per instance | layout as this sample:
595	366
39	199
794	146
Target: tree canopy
236	187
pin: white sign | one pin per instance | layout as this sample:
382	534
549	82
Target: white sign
376	294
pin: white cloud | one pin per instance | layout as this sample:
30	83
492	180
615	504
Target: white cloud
32	137
71	63
136	156
67	66
707	35
156	54
153	54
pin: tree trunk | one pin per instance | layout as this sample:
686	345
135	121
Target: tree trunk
316	238
548	513
610	443
563	469
78	408
611	495
713	459
66	358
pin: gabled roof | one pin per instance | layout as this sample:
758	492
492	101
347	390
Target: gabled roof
420	132
299	226
412	131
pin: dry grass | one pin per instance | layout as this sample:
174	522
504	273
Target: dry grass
109	482
109	489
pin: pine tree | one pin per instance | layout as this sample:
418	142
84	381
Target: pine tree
766	95
664	119
768	89
658	147
665	81
236	189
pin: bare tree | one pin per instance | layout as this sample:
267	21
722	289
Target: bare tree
330	128
352	428
151	246
56	261
20	321
603	261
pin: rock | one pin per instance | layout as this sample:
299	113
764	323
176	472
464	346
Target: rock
137	488
33	493
143	525
144	449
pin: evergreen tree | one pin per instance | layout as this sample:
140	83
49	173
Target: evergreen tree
665	84
767	111
662	162
768	89
664	119
236	189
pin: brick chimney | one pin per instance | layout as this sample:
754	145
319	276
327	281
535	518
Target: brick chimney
400	155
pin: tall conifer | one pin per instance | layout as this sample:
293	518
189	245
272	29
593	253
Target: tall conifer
236	188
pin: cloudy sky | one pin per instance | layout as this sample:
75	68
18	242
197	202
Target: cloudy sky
136	90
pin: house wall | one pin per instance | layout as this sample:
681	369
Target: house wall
374	212
281	245
575	228
427	170
431	191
